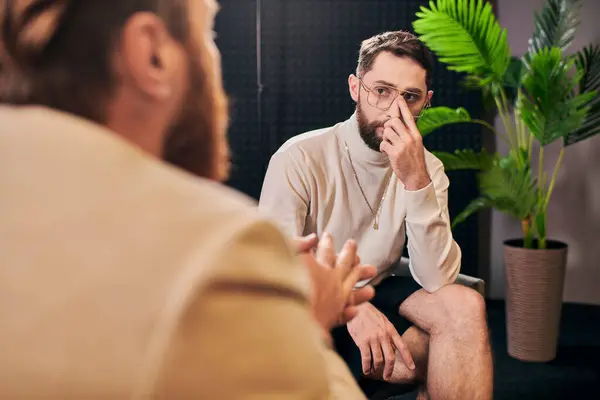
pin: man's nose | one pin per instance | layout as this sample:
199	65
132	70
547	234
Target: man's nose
394	110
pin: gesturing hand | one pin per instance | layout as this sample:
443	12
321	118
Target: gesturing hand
333	299
403	144
303	244
379	343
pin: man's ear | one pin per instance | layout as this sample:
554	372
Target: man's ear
429	96
353	87
147	55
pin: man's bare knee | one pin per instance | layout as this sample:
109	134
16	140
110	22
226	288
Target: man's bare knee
461	300
452	305
463	309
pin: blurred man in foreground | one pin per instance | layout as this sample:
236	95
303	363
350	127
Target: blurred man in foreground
122	276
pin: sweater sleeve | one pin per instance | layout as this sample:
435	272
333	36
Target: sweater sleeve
435	256
285	195
250	334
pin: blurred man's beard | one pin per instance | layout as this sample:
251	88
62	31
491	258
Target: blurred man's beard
368	130
197	142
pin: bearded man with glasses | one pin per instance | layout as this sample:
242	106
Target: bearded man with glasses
370	178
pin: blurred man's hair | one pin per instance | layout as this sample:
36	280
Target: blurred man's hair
58	53
399	43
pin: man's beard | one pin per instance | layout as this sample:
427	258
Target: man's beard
368	130
196	142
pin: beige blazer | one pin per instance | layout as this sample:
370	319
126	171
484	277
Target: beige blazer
124	278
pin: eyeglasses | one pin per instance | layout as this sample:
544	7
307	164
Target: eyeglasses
383	96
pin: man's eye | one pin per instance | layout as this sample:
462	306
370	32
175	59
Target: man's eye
410	97
383	91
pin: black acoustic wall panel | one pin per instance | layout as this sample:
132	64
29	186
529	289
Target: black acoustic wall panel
308	49
236	39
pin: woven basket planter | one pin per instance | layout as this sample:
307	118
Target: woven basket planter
534	292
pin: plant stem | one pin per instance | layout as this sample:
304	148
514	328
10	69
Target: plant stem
540	218
520	135
507	113
541	230
506	123
543	202
541	186
554	175
527	141
521	129
527	233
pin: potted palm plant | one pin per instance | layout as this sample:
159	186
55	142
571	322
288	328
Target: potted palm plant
541	97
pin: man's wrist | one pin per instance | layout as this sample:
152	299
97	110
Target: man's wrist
422	205
417	183
362	307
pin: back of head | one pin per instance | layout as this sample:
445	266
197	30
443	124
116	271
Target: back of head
92	238
399	43
61	54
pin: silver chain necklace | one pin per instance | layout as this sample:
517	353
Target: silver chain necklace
375	214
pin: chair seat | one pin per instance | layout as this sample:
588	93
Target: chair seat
402	269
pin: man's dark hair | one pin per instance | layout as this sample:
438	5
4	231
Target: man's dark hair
399	43
57	53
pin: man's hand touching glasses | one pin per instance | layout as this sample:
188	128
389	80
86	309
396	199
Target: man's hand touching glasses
403	144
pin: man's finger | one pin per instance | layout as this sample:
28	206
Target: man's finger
399	128
403	350
357	273
348	315
362	295
408	118
365	355
349	281
389	356
367	271
303	244
363	272
386	147
325	251
345	260
378	361
390	135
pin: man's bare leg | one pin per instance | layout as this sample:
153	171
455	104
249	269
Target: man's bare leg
459	364
417	342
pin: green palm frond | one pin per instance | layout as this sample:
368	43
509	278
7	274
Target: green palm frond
548	107
466	160
504	186
514	73
555	26
480	203
435	117
510	189
588	65
513	78
466	36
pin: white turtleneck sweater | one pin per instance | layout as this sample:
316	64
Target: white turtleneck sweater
310	187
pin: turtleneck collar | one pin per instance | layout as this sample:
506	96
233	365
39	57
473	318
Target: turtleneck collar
360	152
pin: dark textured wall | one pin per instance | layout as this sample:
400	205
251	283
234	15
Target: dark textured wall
309	47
